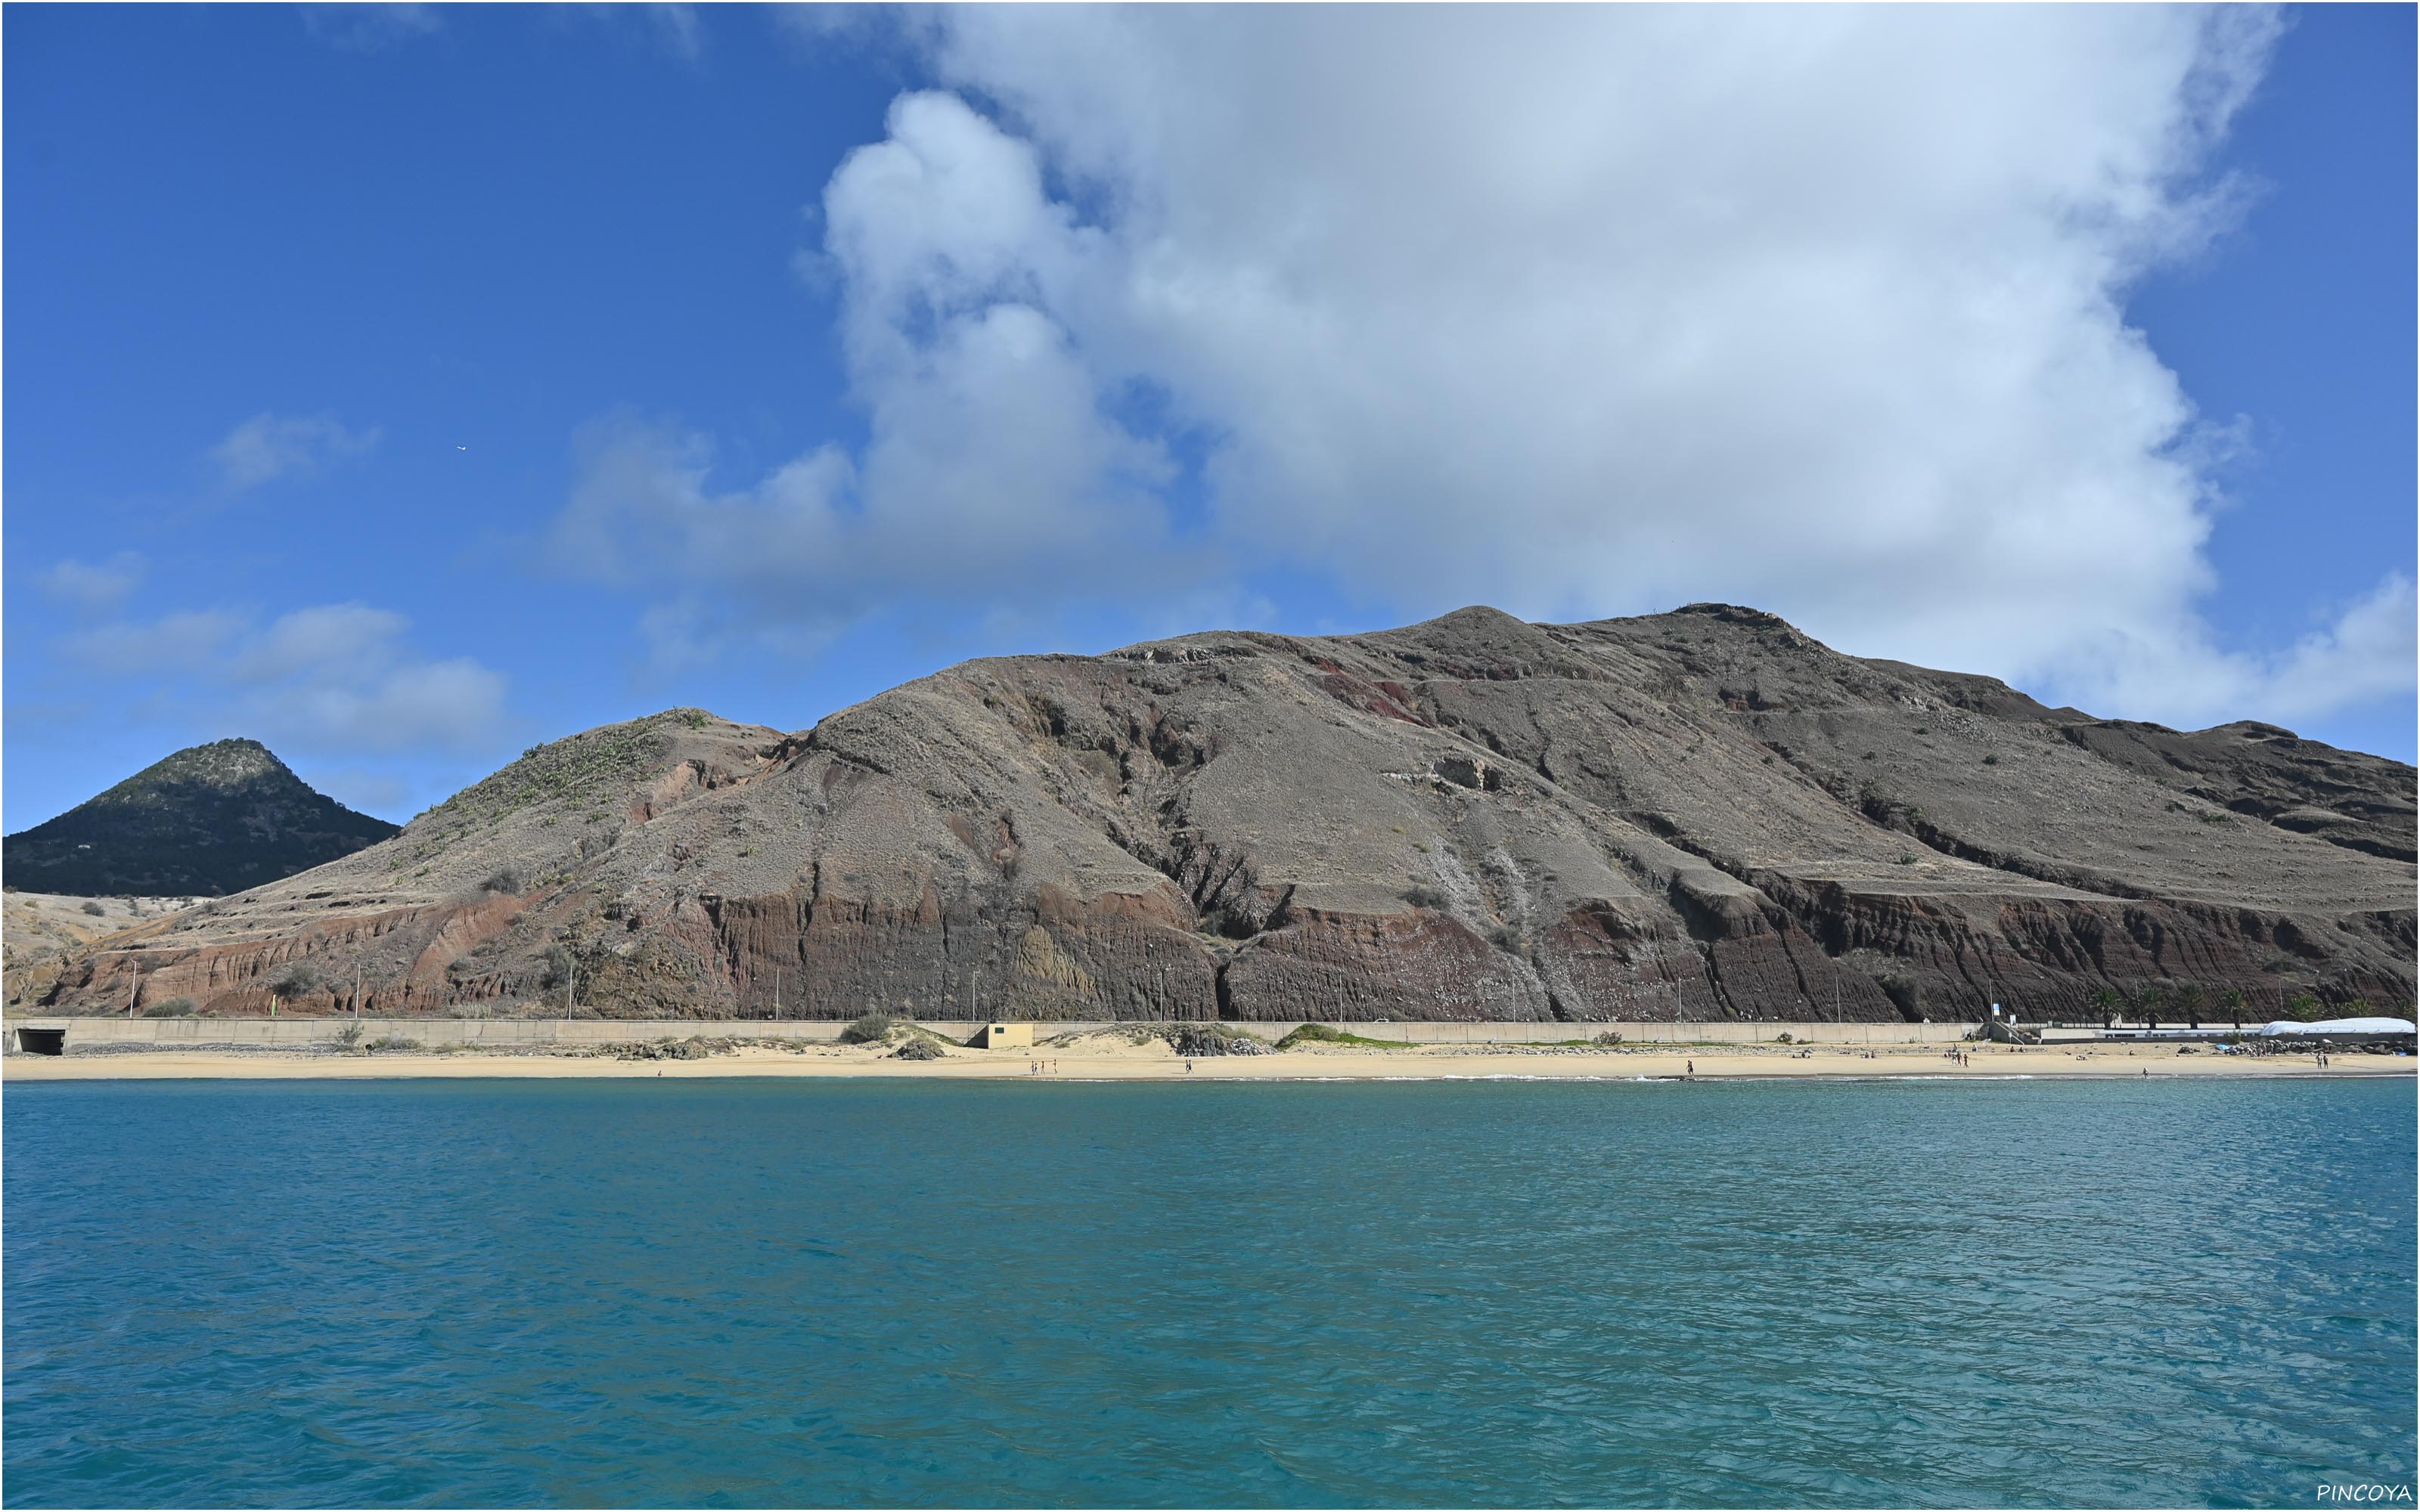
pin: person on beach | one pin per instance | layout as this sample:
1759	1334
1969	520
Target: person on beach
1693	1067
1189	1067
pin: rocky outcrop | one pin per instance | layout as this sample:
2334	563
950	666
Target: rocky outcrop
1700	814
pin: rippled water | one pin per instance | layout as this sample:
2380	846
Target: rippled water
719	1292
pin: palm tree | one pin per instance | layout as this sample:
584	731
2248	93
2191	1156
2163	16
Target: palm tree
2190	997
2148	1000
2232	1001
2109	1000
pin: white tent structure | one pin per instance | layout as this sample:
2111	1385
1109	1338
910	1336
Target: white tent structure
2338	1028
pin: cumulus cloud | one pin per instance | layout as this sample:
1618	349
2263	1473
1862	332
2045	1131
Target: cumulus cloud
331	678
96	586
2364	651
994	472
177	643
269	447
1577	311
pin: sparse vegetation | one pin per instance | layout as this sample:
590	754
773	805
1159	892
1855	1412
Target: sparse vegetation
503	879
559	770
95	909
1424	897
697	1047
919	1049
172	1008
1907	857
871	1028
295	981
1610	1037
391	1042
350	1036
1990	758
1208	1038
1326	1034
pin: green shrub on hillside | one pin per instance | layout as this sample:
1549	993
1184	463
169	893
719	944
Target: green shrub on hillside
1326	1034
869	1030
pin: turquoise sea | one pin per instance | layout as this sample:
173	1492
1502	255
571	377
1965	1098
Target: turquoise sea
1533	1293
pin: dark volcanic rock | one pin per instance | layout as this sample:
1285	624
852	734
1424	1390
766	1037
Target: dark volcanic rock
1702	814
210	819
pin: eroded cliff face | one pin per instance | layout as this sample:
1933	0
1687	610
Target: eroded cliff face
1702	814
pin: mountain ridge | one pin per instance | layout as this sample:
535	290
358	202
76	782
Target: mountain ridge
213	818
1698	814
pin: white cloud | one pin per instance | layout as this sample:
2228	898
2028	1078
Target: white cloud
368	28
442	705
338	640
676	27
331	678
268	447
2365	652
97	586
1573	310
177	642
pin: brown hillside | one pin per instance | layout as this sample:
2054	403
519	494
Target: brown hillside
1702	814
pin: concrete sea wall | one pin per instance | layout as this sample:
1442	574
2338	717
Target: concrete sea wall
169	1034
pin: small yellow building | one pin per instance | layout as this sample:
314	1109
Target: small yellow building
1004	1036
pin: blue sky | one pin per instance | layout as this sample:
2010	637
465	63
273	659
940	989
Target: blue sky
407	387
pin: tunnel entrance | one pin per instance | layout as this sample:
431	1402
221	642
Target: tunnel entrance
42	1041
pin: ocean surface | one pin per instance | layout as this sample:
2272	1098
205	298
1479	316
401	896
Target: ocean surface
1533	1293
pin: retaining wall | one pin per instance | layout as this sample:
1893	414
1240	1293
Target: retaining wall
170	1033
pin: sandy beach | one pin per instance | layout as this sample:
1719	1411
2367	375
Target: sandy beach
1103	1059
